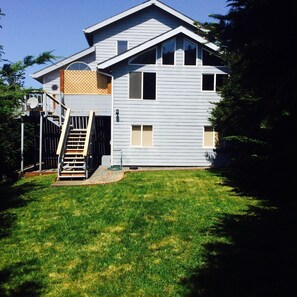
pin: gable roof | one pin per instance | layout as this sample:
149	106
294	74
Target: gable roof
39	74
152	42
90	30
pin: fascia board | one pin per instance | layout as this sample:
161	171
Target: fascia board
116	17
154	42
62	63
137	8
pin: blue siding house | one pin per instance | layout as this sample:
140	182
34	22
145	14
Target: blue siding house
139	95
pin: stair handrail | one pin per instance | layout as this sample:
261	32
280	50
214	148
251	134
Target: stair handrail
56	101
89	133
63	137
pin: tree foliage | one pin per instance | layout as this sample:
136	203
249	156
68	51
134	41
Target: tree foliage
12	92
258	113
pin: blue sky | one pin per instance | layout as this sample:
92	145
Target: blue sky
33	26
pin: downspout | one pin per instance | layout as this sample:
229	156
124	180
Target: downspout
112	115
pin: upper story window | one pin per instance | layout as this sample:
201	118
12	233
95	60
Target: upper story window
190	50
209	59
213	82
78	66
148	57
142	85
168	52
122	46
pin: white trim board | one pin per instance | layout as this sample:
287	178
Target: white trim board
91	29
38	75
155	41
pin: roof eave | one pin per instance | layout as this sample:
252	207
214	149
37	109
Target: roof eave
155	41
90	30
39	74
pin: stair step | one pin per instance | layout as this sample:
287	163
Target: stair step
72	151
74	158
72	176
75	138
73	172
73	169
78	130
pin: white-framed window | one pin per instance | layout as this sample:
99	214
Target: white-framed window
148	57
212	82
142	85
210	59
168	52
142	135
210	137
78	65
190	53
122	46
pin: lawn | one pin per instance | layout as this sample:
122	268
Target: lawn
142	236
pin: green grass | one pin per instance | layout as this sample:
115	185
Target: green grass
141	236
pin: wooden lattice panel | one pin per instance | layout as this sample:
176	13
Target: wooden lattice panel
104	84
85	82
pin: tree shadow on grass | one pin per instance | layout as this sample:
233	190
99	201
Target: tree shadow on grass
261	259
11	198
9	286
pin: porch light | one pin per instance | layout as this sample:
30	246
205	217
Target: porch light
117	115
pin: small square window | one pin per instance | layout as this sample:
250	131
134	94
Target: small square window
210	137
122	46
142	135
220	80
208	82
213	82
142	85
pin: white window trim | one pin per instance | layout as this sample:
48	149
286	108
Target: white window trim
141	99
81	63
174	63
216	66
215	82
141	136
134	57
184	55
213	137
117	47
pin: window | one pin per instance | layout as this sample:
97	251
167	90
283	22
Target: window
209	59
78	66
190	50
213	82
148	57
210	137
168	52
142	85
142	135
122	46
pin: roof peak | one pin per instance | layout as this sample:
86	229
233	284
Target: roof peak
90	30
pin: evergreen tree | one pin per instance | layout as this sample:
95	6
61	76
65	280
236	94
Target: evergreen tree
12	92
258	113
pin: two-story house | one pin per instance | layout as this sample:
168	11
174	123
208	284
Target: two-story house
146	83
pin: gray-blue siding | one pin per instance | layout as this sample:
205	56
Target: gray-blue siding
178	115
135	29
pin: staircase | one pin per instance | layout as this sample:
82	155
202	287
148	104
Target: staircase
74	149
73	163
